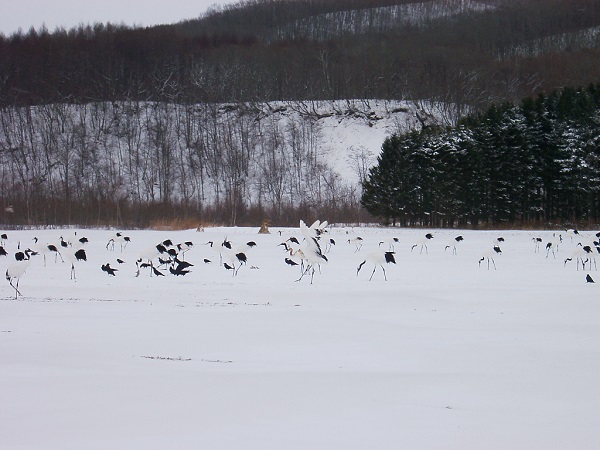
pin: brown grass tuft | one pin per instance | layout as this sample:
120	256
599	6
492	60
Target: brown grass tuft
175	224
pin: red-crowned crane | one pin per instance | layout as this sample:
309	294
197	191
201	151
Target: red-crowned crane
16	270
423	241
378	259
312	252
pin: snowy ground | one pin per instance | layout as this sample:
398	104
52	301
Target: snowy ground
445	354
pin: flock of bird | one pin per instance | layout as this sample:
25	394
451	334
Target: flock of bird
308	251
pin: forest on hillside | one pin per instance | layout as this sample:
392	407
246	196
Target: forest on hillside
105	124
465	52
137	163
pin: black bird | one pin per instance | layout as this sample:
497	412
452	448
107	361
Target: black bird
83	240
182	264
497	249
589	279
153	270
120	261
2	251
241	257
290	262
54	249
178	271
164	262
206	261
157	272
80	255
251	244
109	270
228	267
294	240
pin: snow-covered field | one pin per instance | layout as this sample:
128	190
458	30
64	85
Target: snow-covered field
444	354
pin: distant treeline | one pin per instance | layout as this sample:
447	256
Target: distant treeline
463	52
537	162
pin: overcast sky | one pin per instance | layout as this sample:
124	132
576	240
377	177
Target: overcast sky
24	14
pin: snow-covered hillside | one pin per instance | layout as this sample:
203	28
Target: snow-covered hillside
352	132
276	154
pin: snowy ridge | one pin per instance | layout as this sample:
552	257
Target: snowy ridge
359	21
270	153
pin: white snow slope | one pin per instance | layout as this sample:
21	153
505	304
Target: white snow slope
445	354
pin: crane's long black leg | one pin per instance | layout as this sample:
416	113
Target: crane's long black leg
304	272
17	293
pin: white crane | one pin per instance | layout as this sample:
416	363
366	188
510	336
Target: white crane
318	228
538	241
120	238
488	255
453	243
572	232
390	240
581	254
74	256
312	252
378	259
551	247
423	241
357	241
16	270
46	248
230	257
